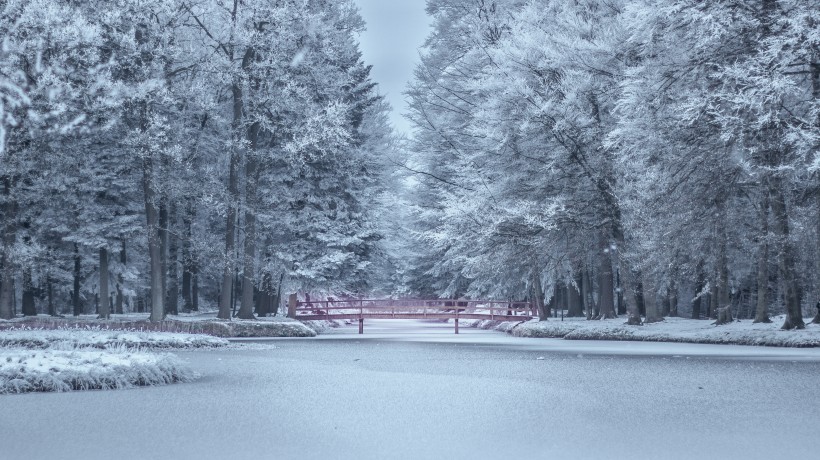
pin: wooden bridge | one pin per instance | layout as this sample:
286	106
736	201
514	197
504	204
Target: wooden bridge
438	309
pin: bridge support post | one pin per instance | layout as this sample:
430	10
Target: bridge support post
361	325
456	320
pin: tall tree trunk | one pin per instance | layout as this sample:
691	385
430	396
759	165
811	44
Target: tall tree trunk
815	85
724	291
187	256
650	299
28	307
75	297
105	307
576	306
586	294
154	241
606	299
251	184
9	234
121	280
762	311
172	303
195	288
787	272
700	285
163	249
630	294
50	293
233	201
673	298
538	296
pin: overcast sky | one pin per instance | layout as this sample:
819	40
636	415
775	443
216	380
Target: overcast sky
395	31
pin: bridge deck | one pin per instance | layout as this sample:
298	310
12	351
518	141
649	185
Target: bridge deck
446	309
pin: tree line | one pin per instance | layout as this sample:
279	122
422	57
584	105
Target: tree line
637	157
155	154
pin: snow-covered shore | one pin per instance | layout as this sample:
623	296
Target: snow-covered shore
187	324
92	359
678	330
24	371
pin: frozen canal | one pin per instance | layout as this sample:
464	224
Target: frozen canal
416	391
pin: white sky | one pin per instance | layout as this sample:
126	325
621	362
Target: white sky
395	31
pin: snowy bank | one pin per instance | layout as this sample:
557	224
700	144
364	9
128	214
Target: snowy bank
670	330
75	337
23	371
204	324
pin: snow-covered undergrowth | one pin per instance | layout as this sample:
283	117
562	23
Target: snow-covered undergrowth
670	330
319	326
199	324
24	371
73	337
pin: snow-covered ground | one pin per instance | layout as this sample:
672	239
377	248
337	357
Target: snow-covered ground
199	323
410	390
70	338
23	371
670	330
85	359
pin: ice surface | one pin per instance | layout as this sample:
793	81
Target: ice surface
411	391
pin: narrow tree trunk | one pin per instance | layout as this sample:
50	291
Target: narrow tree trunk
589	301
187	256
75	297
762	311
700	285
195	288
154	242
724	291
673	298
606	299
50	293
172	303
650	299
163	249
538	296
575	308
9	235
630	295
121	279
233	201
251	184
28	306
105	308
787	272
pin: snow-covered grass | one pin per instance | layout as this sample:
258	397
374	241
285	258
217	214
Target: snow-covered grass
94	337
23	371
35	360
198	324
670	330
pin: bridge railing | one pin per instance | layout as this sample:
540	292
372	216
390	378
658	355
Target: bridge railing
413	309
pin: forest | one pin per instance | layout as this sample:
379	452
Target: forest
601	158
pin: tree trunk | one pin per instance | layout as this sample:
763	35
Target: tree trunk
586	294
576	306
187	256
28	307
121	280
172	302
700	285
163	249
233	201
75	297
673	298
724	291
650	299
195	288
630	295
154	242
251	183
787	273
9	235
606	298
105	307
762	311
538	296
